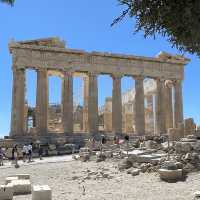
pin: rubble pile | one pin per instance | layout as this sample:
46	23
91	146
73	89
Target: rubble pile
173	160
100	173
187	151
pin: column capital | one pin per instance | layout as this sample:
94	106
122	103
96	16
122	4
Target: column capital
67	73
168	83
116	76
92	74
41	70
138	77
177	81
19	69
160	79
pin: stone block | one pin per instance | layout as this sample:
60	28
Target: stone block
174	134
8	153
41	192
147	158
135	172
23	176
190	126
52	147
6	192
21	187
53	153
170	175
197	194
10	179
150	144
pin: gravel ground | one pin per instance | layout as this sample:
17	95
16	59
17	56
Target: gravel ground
74	180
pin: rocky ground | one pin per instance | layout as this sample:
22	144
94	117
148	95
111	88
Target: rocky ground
74	180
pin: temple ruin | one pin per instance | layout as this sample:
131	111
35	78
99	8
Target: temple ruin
50	56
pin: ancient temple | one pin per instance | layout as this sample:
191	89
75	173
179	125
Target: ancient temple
50	56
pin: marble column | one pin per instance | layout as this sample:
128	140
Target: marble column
116	105
18	103
139	106
168	105
85	103
93	104
178	103
67	103
160	107
42	102
149	116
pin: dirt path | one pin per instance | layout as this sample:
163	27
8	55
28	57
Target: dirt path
74	180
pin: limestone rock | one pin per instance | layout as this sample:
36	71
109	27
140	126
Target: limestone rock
21	187
188	168
135	172
174	134
144	167
125	164
6	192
169	165
170	175
150	144
10	179
101	157
197	194
41	192
183	147
85	157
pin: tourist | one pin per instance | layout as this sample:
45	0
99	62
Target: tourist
93	144
2	154
40	152
116	140
25	152
30	152
103	142
15	155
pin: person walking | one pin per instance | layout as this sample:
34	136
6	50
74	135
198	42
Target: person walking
25	152
2	154
15	155
30	151
40	151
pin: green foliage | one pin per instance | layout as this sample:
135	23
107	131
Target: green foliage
178	20
11	2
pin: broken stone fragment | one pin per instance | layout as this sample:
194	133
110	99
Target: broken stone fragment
188	168
135	172
125	164
101	157
171	175
197	194
169	165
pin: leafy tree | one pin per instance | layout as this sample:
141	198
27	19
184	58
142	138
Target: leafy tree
11	2
178	20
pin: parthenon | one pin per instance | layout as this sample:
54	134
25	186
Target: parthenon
50	56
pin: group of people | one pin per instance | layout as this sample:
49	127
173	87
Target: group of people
27	154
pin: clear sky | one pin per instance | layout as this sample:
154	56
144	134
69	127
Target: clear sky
83	24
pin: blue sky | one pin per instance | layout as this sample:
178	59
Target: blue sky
83	24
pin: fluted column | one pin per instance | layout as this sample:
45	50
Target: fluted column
139	106
116	105
160	107
67	103
93	104
168	104
42	102
85	103
178	103
18	103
